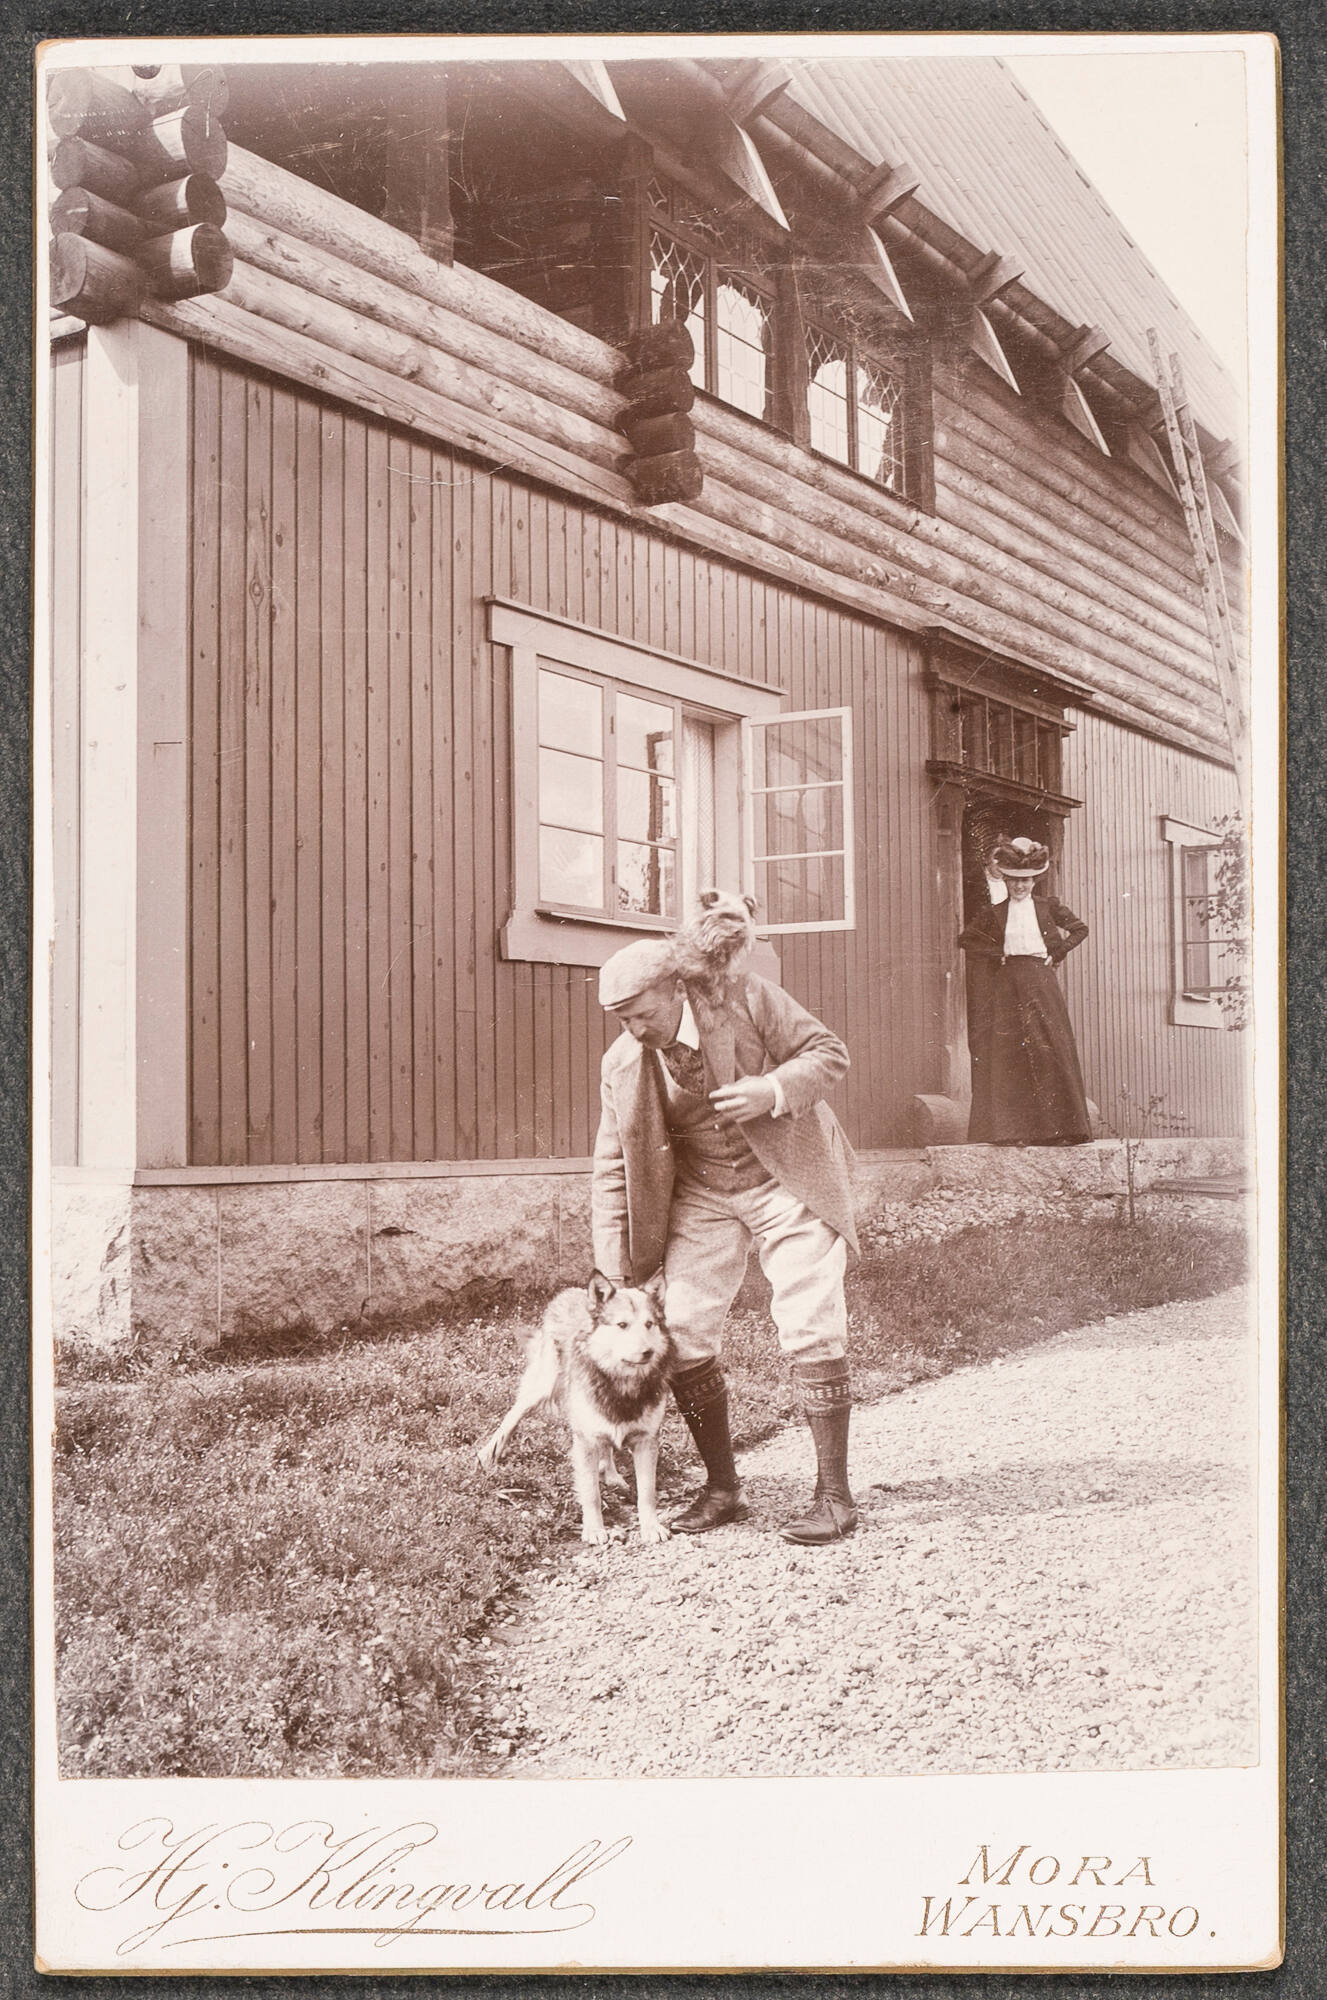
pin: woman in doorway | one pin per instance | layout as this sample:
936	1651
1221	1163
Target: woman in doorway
1031	1092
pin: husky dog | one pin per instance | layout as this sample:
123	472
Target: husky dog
712	949
602	1356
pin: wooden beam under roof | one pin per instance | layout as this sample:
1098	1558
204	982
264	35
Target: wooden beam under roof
754	87
881	189
992	276
878	266
1086	345
735	154
1142	450
984	342
580	96
1223	513
593	80
1075	406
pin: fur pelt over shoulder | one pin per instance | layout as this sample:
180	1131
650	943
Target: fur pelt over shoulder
711	951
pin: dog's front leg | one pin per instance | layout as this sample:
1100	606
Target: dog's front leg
585	1466
645	1453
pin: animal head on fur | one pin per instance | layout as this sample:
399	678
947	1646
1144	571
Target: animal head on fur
712	949
625	1332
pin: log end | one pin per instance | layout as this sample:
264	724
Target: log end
83	105
187	262
93	283
667	345
674	475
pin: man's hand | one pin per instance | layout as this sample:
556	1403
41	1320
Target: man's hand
750	1097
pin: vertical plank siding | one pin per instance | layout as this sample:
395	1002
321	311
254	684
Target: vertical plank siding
351	802
1116	874
351	805
66	735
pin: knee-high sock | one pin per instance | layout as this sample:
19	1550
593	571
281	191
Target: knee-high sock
701	1394
826	1394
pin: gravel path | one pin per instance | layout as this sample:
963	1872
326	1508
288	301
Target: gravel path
1054	1570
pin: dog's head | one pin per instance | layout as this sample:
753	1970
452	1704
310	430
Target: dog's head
627	1331
726	921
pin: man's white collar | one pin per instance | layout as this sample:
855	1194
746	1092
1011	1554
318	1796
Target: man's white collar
687	1031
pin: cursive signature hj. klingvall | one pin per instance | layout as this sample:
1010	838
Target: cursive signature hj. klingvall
252	1878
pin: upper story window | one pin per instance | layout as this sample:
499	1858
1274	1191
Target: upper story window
1005	741
856	409
721	291
790	333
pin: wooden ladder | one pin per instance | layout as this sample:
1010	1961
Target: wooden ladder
1191	479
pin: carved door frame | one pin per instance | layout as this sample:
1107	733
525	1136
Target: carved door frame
957	673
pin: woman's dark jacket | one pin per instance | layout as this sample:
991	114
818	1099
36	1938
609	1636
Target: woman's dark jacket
1060	928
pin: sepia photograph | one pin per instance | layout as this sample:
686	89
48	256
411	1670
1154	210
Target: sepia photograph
654	740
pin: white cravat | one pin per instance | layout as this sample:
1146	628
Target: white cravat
1022	932
687	1031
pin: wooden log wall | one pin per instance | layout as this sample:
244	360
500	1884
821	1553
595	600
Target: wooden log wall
138	208
1115	872
1041	548
350	786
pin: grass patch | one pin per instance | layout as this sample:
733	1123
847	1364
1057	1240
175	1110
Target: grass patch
276	1565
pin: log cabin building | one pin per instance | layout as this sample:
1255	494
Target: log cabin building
424	626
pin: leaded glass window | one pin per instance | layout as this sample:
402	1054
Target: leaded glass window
856	409
694	277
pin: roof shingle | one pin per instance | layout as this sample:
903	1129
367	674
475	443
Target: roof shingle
996	173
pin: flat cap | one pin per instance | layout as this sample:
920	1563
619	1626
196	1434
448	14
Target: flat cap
646	962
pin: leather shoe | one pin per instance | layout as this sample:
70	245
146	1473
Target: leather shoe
711	1508
830	1520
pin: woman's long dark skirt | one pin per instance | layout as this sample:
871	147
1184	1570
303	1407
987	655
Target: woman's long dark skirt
1027	1087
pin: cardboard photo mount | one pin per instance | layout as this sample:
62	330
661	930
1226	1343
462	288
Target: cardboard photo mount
175	254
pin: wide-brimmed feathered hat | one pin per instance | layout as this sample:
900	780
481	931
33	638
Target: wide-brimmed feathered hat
1020	858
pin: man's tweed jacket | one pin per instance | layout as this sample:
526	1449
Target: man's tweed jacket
760	1031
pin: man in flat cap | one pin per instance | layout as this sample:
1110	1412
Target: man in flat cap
713	1134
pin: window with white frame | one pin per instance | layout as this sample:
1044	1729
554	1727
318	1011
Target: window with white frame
640	779
1196	943
611	837
799	806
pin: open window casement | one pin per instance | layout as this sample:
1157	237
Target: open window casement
1198	934
799	822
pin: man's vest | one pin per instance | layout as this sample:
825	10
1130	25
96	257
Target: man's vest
707	1150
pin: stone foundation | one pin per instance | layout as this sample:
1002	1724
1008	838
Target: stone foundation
92	1229
186	1267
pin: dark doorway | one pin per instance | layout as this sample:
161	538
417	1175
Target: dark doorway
991	818
987	819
